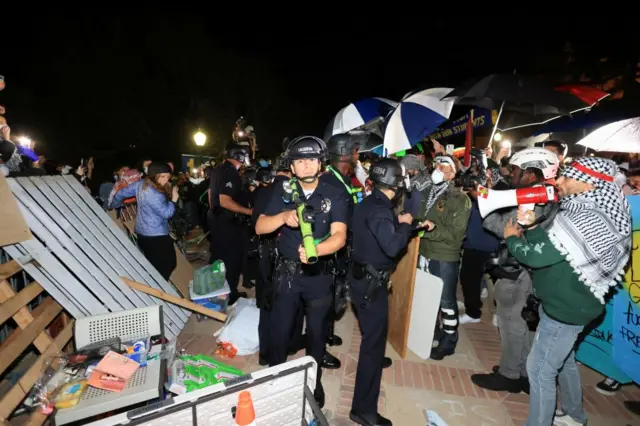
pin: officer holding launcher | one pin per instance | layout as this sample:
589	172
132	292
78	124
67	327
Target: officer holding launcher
378	237
310	217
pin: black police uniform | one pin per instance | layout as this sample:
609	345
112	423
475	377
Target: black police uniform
225	226
296	283
266	258
377	239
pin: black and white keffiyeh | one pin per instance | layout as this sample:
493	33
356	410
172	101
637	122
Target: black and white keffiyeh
435	192
593	228
421	179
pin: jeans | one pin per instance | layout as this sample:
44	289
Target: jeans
448	273
553	355
515	337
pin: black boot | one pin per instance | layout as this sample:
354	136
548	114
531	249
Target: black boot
263	360
446	347
330	362
334	340
318	395
369	419
633	406
497	382
386	362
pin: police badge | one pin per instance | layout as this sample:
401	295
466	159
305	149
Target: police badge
325	205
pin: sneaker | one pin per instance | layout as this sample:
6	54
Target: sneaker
608	387
484	293
466	319
460	305
494	320
562	419
497	382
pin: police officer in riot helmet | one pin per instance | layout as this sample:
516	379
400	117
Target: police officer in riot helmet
378	238
228	213
303	204
343	157
266	252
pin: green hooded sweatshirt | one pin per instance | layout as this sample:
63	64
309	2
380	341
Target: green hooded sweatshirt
564	297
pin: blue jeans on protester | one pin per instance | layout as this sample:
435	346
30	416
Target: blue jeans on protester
552	355
448	273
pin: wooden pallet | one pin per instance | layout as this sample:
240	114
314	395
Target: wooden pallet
47	327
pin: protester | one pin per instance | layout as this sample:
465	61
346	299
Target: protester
575	263
156	205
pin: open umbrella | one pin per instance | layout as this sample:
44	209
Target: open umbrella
519	94
620	136
415	117
358	114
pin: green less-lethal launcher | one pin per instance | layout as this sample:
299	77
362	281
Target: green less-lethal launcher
307	236
305	227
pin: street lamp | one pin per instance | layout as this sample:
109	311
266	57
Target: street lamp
199	138
25	142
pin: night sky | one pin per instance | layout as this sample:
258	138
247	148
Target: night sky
99	85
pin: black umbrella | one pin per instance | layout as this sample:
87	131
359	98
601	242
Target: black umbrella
518	93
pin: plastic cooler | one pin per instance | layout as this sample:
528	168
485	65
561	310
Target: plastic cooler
281	395
216	300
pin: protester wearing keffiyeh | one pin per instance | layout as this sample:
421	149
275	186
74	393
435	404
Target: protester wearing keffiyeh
593	228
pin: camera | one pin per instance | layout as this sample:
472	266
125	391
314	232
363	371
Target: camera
476	174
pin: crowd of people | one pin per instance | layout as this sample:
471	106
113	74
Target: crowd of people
311	234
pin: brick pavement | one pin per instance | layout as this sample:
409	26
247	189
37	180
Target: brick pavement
412	385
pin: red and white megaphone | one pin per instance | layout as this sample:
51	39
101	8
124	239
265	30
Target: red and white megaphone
490	200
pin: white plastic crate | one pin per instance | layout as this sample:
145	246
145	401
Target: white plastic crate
282	396
145	385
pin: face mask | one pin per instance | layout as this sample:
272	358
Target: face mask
437	176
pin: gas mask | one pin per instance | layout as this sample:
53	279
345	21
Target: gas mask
437	177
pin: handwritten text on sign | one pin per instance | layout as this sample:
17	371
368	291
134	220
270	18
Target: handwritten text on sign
626	319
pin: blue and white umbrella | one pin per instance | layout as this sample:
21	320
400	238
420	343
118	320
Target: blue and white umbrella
358	114
415	117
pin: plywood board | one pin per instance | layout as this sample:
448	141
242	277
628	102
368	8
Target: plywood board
401	298
182	275
13	227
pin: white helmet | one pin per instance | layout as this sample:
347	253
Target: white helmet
537	158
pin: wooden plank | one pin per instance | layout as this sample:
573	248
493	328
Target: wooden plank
20	339
9	269
183	274
23	317
18	301
16	394
186	304
401	298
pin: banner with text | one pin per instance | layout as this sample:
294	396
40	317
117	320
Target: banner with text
626	308
481	118
612	348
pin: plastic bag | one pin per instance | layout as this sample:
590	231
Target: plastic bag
209	278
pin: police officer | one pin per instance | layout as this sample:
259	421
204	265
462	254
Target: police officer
299	279
378	237
227	215
266	252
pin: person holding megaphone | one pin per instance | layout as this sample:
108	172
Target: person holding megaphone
530	169
574	263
